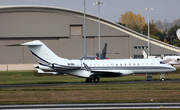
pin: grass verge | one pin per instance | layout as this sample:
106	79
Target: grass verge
32	77
103	93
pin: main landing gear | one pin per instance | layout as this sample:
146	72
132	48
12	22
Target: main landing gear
149	77
95	80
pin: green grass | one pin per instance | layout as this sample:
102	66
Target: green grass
101	93
32	77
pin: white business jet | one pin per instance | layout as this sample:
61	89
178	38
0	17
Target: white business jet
149	57
93	69
172	60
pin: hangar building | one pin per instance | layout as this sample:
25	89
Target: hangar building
62	31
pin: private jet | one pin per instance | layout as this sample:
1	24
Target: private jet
93	70
172	60
103	54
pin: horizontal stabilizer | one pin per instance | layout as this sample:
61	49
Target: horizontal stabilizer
112	53
14	45
34	43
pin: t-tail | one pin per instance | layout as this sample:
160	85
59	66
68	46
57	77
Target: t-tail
103	54
42	53
144	54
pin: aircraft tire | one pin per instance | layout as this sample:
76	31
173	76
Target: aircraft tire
88	80
162	79
96	80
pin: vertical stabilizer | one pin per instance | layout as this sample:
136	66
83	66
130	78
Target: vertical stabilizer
144	54
104	50
43	54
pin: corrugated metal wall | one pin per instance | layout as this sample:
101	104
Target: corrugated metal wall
62	32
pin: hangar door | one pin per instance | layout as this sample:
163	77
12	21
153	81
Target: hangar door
114	45
76	30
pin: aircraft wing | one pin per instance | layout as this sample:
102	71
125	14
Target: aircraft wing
112	72
108	73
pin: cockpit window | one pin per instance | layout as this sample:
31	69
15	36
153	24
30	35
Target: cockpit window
162	62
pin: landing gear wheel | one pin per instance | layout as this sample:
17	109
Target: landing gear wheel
162	79
96	80
88	80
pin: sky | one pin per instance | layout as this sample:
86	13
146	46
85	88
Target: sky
113	9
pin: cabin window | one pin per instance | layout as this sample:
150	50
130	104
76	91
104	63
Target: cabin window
124	64
94	65
151	63
98	65
142	63
120	64
162	62
116	64
129	64
138	64
146	63
134	64
90	65
107	64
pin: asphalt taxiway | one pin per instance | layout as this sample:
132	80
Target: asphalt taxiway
94	106
30	85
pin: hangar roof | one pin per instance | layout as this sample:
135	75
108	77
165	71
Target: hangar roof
51	9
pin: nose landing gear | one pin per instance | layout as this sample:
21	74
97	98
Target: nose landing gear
162	77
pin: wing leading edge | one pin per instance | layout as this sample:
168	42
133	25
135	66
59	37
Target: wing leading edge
108	73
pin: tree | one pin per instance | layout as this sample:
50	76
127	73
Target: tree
159	25
176	22
163	26
165	40
121	24
132	21
152	29
154	32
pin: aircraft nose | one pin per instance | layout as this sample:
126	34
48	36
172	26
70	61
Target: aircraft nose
173	68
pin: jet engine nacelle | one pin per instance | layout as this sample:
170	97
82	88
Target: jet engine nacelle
43	67
41	71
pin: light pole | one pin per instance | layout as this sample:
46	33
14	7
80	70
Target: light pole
99	3
148	30
85	29
171	40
